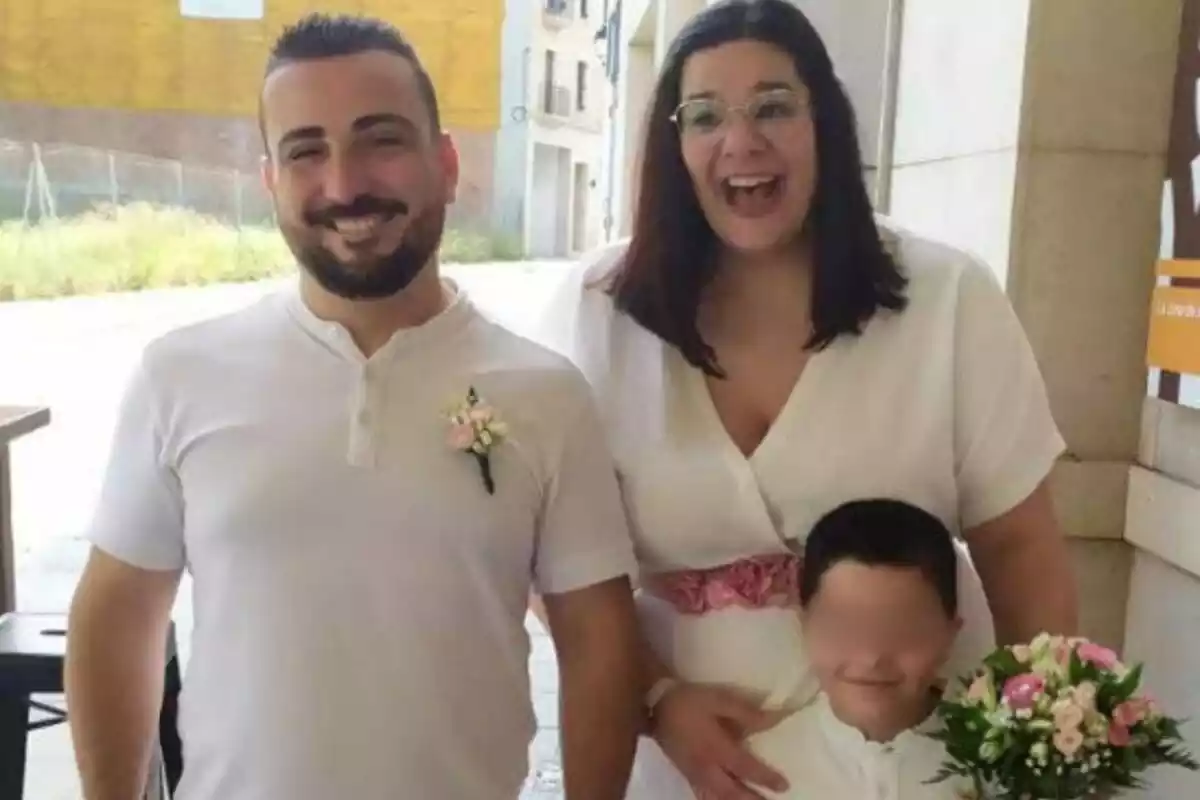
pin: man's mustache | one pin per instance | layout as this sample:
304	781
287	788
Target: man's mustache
362	206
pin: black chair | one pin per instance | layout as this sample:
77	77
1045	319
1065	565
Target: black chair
32	648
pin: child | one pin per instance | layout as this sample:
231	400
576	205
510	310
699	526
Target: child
879	610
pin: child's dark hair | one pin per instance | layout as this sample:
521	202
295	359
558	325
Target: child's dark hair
882	532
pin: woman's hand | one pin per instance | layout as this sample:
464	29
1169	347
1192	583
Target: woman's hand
702	728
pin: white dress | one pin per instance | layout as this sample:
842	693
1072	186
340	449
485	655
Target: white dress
942	406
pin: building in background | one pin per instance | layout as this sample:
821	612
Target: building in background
554	100
85	79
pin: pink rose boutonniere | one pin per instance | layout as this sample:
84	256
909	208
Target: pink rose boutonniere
476	429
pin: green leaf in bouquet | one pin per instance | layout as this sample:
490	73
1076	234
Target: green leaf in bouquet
1128	759
945	773
1003	665
1179	756
1079	670
1127	686
963	752
1168	727
1011	762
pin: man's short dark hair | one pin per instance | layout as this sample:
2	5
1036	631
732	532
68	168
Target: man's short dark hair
882	533
318	36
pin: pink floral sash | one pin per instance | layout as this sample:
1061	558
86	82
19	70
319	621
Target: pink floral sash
770	581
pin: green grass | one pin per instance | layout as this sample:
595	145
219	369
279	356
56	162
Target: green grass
141	246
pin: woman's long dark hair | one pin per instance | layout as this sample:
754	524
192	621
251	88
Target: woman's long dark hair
673	252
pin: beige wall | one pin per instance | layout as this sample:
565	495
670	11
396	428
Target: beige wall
1163	615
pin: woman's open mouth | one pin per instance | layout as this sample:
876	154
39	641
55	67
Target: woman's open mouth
753	195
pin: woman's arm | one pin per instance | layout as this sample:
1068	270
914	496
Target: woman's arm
1025	566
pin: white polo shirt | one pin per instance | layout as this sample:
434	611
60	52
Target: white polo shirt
822	757
359	597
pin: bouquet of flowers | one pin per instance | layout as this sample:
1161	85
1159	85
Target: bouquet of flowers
1056	718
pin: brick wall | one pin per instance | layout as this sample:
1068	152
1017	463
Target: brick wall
212	144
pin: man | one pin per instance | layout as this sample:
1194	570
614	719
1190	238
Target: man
360	573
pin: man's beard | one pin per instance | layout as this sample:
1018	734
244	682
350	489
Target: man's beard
376	277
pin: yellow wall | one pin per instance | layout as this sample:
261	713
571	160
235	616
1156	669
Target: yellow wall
141	54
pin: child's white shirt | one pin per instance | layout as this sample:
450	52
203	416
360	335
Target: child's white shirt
822	757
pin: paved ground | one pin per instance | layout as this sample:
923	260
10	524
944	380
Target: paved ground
74	356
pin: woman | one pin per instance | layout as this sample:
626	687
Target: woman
764	349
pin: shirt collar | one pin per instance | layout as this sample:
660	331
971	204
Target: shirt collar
452	319
847	738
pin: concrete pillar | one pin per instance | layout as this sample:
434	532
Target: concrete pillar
670	16
854	32
648	29
1033	132
635	87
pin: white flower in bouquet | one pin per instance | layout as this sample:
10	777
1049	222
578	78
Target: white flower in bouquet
1055	718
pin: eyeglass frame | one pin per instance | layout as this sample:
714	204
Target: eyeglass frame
803	104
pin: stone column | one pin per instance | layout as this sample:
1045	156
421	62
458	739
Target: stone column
1033	132
855	33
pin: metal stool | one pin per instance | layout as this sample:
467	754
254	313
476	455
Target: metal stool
32	649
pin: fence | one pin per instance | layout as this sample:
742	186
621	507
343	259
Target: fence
81	220
40	182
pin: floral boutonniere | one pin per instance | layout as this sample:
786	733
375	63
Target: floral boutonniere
476	429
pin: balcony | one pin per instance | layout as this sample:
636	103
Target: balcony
556	14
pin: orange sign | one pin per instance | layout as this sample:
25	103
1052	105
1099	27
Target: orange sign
1188	268
1174	342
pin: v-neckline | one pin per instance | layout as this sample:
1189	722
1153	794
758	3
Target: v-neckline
794	399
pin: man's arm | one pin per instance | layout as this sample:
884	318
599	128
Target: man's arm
119	617
651	668
595	635
116	648
582	565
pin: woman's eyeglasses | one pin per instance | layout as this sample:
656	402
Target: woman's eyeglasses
706	115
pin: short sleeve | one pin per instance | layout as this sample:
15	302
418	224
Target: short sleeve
1005	439
583	536
139	517
577	319
558	324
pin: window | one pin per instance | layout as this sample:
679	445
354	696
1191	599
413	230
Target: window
581	86
548	83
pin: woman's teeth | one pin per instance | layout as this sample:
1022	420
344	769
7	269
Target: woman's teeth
749	181
741	189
